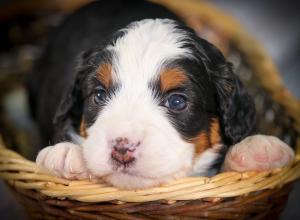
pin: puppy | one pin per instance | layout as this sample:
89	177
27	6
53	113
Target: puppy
127	93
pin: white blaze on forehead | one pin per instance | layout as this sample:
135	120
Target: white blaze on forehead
138	57
132	112
145	46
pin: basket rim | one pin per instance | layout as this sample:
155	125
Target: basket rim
24	174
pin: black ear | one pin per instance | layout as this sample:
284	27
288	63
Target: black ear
236	107
70	105
69	112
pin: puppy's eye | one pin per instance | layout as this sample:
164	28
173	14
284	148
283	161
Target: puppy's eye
176	102
99	95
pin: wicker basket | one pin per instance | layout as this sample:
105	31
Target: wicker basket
251	195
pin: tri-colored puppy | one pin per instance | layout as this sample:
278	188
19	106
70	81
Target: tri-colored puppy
136	97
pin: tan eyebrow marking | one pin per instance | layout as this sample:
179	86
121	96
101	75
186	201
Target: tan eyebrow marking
104	74
201	143
172	78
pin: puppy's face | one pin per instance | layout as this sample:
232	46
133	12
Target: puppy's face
150	107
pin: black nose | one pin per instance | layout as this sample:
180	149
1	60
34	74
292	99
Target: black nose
122	151
121	145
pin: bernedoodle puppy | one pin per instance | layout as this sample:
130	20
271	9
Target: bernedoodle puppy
127	93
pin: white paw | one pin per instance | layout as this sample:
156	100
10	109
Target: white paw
258	153
63	160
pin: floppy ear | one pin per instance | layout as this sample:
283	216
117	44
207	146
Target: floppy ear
70	105
69	112
236	107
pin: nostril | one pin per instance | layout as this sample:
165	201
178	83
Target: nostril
122	142
121	150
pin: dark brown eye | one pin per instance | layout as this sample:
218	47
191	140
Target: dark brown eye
99	96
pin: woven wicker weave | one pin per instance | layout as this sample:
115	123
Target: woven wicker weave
251	195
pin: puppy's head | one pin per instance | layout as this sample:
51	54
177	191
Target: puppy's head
156	103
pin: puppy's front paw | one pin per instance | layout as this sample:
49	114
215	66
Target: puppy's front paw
258	153
63	160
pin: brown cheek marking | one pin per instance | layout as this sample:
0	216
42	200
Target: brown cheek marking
207	139
171	78
82	129
105	74
201	143
215	136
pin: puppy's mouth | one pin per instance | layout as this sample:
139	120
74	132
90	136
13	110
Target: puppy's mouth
121	166
123	162
127	168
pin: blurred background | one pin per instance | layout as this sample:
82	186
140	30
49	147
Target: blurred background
24	26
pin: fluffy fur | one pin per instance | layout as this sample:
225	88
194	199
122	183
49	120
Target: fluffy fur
131	104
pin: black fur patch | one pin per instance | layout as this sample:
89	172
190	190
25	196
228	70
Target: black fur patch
213	90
